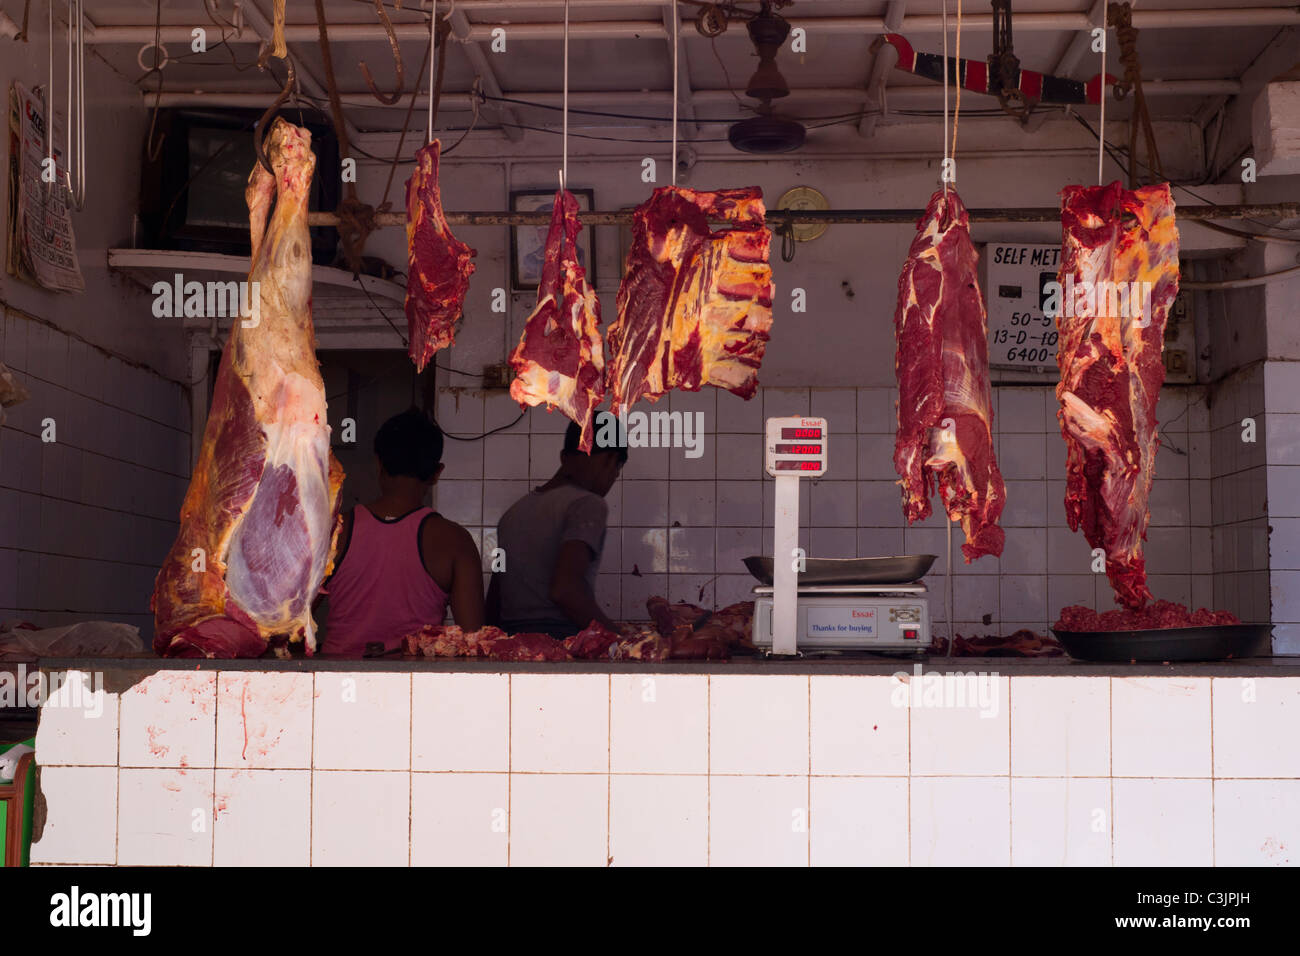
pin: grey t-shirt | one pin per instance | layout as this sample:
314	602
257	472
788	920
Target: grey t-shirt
531	533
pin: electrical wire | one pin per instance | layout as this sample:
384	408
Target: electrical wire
1117	156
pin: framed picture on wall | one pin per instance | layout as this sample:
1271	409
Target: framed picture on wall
528	243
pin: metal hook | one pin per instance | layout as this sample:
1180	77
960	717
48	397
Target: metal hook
786	233
388	99
259	144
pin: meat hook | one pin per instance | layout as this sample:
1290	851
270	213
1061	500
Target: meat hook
259	144
388	99
786	232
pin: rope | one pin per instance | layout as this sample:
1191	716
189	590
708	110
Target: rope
956	113
433	26
384	204
564	168
278	49
943	175
1101	132
674	94
1122	14
356	220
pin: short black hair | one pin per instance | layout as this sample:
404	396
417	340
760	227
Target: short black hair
573	437
409	444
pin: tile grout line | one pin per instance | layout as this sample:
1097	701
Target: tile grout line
609	765
1214	786
510	763
1110	758
311	780
410	766
708	770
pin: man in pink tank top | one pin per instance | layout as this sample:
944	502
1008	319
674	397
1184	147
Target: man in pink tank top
399	563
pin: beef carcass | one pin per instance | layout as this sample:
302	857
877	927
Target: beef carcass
258	523
438	264
1118	277
695	305
945	415
560	360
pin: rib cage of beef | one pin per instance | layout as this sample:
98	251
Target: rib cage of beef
258	522
438	264
945	414
560	359
1110	358
695	305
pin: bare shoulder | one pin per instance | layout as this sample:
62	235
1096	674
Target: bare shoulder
447	536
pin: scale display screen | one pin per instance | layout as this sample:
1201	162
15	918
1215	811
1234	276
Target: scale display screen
796	447
801	433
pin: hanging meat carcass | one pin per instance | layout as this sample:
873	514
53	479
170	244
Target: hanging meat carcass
1118	278
695	305
438	264
945	414
560	360
257	526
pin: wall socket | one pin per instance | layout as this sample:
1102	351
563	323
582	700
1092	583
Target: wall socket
496	376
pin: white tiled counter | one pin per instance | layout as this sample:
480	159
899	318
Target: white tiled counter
983	762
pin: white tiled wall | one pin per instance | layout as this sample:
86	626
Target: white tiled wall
1240	496
681	527
626	769
86	519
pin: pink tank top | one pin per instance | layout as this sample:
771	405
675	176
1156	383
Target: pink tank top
381	590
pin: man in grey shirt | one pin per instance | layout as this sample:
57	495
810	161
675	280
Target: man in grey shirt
553	538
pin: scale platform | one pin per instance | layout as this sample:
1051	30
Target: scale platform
863	617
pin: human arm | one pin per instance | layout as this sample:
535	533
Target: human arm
463	577
569	588
492	606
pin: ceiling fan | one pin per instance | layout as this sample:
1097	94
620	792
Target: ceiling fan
768	30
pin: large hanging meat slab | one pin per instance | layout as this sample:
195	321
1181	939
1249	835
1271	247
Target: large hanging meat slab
1119	275
945	415
258	522
560	360
695	304
438	264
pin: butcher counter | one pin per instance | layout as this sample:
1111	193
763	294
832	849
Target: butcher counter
753	761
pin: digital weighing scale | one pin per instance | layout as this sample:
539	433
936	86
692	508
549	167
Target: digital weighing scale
842	616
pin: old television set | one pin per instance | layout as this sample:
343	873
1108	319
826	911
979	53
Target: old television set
192	194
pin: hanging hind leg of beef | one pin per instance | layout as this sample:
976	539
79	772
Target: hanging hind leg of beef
259	519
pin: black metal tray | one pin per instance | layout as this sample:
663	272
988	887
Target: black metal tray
898	569
1213	643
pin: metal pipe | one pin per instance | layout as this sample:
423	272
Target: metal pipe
657	30
899	96
861	217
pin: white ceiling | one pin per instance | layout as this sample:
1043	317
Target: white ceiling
632	74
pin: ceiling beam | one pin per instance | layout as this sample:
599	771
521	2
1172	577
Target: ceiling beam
463	30
685	101
883	60
906	96
1235	137
1208	18
1081	43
